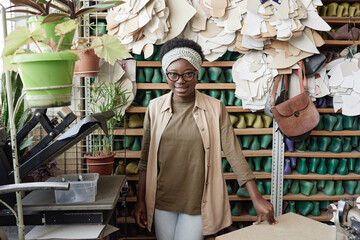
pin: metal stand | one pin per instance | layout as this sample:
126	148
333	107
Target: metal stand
277	170
14	150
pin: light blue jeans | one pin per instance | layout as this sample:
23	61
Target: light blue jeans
177	226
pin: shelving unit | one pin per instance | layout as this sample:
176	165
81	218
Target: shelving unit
228	108
247	153
353	154
245	131
275	153
231	109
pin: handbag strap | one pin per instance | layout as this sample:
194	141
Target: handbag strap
276	84
302	79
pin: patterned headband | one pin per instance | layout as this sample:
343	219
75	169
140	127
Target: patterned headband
186	53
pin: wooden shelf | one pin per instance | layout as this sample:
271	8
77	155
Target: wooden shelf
258	175
232	197
243	131
130	199
353	154
315	176
336	133
139	237
327	110
126	220
228	108
227	176
235	197
136	109
198	86
247	153
340	42
244	218
130	132
325	2
205	64
341	20
324	217
320	196
99	15
253	131
239	109
132	177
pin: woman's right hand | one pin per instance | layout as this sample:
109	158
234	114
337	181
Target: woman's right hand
140	214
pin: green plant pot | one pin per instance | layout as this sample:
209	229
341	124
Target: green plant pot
35	23
47	77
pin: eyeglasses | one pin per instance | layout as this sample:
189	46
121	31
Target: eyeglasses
187	77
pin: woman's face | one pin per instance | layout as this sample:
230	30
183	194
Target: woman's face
182	90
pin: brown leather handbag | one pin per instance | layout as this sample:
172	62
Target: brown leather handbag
298	116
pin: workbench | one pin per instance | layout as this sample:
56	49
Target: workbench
65	216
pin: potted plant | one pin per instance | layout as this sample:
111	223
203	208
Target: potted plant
106	96
107	47
42	15
47	77
88	65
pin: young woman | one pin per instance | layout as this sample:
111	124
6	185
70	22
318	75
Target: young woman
181	186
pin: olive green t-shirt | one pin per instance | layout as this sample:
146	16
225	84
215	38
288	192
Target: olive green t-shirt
229	144
181	163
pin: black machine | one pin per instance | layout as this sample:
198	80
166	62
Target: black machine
57	141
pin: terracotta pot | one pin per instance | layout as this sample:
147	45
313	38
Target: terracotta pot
88	66
100	164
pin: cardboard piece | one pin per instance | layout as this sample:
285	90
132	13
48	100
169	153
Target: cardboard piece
211	30
74	231
199	20
289	226
179	19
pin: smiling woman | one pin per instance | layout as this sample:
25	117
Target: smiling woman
181	185
182	79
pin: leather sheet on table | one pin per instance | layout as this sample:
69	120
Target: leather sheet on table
289	226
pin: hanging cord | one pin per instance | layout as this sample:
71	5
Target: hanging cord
350	53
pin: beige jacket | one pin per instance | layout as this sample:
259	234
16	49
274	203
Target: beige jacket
215	207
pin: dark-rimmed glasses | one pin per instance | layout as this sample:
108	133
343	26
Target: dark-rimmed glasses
187	77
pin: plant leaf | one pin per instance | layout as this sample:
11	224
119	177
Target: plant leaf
38	34
53	17
47	7
15	40
7	65
26	143
23	11
62	2
25	116
98	7
31	4
65	27
110	48
18	18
